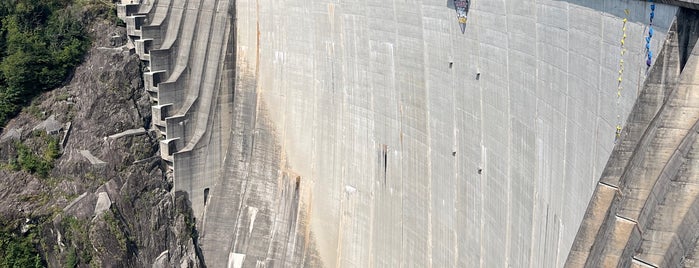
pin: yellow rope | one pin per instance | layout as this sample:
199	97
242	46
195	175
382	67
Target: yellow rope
621	75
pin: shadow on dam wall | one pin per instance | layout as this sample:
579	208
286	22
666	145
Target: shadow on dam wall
687	31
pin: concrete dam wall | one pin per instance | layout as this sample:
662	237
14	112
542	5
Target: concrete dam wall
377	134
643	212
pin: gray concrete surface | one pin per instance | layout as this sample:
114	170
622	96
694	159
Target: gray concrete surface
92	159
128	133
103	204
479	149
643	211
50	125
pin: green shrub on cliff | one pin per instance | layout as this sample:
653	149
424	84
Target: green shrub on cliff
17	250
40	43
39	162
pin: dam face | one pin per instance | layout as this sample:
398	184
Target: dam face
377	134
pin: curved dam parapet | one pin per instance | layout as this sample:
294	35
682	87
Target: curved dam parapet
394	133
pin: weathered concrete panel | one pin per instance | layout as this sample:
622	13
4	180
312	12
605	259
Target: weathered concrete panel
358	134
391	99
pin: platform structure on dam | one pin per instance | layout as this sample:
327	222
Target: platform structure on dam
383	134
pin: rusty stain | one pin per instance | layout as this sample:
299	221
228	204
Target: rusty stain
257	55
331	16
306	219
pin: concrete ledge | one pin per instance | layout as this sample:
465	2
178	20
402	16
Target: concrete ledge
599	208
160	60
129	133
172	92
133	25
168	147
152	79
160	113
125	10
175	126
143	47
92	159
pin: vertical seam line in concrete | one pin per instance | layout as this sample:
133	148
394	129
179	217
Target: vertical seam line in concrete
508	221
455	145
400	121
565	139
535	206
482	163
426	85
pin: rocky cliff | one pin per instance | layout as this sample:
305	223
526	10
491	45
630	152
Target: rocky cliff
80	175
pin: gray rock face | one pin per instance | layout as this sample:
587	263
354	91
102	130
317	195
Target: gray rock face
82	206
11	134
114	214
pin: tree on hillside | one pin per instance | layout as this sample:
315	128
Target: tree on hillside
42	41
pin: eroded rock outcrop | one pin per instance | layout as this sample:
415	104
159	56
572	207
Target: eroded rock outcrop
121	213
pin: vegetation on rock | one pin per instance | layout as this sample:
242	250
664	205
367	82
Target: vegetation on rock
40	43
78	241
102	97
34	162
18	250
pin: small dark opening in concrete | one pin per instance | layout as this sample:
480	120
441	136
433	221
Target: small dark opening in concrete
156	79
385	162
139	22
480	171
687	31
451	64
298	183
147	46
171	148
453	153
164	112
478	76
206	195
